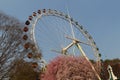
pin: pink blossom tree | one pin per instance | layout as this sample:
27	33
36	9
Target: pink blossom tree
69	68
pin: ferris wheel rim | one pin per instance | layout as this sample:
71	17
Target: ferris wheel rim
49	12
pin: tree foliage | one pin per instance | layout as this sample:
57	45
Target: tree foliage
69	68
23	71
115	63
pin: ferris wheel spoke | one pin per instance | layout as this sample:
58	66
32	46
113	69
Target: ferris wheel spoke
46	27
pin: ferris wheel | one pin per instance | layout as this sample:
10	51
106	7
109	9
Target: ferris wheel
49	33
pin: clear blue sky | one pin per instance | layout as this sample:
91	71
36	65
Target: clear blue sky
101	18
